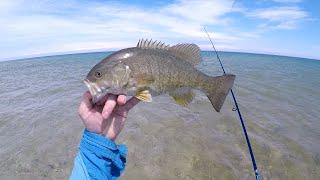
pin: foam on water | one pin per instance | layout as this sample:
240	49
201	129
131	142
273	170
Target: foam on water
279	98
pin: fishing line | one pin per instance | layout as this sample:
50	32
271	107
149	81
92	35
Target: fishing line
236	108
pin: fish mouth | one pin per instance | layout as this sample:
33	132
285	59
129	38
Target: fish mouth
95	90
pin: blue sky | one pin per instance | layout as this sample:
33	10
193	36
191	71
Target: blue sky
34	28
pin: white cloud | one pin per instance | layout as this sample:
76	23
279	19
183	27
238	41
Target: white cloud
198	11
42	27
68	25
280	13
286	17
7	5
287	1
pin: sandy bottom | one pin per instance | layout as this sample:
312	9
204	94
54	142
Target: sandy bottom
165	141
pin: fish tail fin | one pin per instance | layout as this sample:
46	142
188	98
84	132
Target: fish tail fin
218	89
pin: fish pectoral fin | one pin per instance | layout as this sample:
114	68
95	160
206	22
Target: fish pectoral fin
182	97
144	95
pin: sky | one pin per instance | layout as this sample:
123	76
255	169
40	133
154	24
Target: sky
31	28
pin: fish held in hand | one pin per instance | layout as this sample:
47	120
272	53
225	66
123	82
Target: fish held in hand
153	68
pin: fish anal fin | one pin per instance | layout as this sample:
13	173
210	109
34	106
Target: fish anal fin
144	95
182	96
187	52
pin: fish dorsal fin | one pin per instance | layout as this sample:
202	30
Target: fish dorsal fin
150	44
187	52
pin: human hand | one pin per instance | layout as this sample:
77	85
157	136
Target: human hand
106	117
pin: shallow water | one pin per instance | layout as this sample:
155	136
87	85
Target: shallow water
279	98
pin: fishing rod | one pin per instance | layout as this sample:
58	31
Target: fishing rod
254	164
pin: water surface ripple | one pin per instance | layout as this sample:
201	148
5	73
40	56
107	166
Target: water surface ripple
279	98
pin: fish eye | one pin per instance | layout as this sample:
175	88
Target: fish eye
98	74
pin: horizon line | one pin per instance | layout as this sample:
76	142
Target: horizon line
32	56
